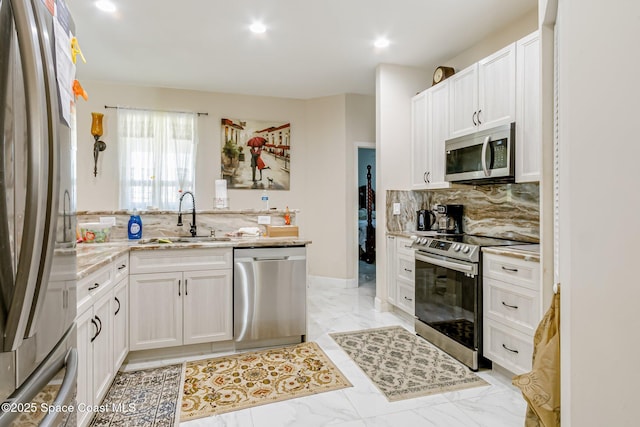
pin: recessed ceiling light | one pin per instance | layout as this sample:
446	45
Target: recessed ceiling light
105	6
258	28
381	42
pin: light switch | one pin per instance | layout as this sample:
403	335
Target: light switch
264	219
396	208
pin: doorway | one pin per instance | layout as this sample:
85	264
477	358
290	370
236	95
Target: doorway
366	170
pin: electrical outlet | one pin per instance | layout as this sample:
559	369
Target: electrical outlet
396	208
264	219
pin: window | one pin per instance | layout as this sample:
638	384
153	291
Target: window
157	157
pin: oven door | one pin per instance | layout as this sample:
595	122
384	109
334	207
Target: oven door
447	297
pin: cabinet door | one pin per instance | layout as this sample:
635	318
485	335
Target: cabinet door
391	269
84	392
155	313
497	88
463	102
207	306
437	134
102	348
120	313
419	171
528	109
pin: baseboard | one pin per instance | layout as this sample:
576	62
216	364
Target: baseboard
331	282
381	305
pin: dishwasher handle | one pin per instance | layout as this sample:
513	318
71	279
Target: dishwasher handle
271	258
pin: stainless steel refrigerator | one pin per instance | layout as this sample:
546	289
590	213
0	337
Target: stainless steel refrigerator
38	357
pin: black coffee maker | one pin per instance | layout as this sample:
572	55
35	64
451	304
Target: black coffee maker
450	220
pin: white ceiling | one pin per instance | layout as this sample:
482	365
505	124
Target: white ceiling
312	48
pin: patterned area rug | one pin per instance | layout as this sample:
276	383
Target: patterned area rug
152	393
403	365
230	383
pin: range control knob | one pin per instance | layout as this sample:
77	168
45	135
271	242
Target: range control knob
422	240
465	250
456	247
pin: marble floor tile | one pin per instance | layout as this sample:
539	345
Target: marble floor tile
337	310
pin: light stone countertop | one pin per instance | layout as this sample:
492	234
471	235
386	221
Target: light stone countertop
92	256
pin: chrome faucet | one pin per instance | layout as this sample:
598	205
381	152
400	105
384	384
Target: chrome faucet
192	225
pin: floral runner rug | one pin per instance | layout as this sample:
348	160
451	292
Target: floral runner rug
229	383
403	365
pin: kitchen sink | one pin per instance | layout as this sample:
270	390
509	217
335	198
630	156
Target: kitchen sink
183	239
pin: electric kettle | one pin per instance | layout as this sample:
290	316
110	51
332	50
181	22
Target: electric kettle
425	219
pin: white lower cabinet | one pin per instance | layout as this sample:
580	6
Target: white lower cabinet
401	276
102	330
190	305
512	310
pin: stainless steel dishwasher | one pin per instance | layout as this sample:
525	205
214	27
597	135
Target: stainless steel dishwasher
269	296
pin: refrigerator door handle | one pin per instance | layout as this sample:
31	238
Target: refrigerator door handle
28	269
67	390
51	122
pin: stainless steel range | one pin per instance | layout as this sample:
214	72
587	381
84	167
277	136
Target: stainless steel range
448	293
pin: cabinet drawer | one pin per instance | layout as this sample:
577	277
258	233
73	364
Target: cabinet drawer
121	265
403	247
512	270
406	295
405	268
507	347
169	260
93	286
515	306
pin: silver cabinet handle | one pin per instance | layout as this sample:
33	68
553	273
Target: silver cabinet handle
513	270
479	121
510	306
511	350
425	177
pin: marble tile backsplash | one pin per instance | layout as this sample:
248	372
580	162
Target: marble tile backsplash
163	223
510	211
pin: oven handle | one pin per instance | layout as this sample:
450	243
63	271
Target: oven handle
471	269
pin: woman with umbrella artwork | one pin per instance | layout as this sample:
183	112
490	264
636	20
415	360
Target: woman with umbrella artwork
255	148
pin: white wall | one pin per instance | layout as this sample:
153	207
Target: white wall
321	165
519	28
600	201
101	193
395	86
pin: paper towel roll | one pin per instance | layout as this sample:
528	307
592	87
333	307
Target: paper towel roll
221	200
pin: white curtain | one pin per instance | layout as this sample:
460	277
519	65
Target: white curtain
157	151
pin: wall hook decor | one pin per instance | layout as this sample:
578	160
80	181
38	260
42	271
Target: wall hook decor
98	146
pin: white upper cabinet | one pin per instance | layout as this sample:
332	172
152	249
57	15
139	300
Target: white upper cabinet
528	109
483	95
463	101
438	132
419	154
429	129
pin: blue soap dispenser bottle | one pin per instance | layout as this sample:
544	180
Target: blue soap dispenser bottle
135	226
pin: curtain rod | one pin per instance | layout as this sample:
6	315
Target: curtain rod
147	109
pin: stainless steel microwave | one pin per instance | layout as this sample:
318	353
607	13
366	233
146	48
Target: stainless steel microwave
485	157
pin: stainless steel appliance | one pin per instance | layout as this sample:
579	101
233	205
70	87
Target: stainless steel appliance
484	157
269	296
448	293
450	220
37	219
